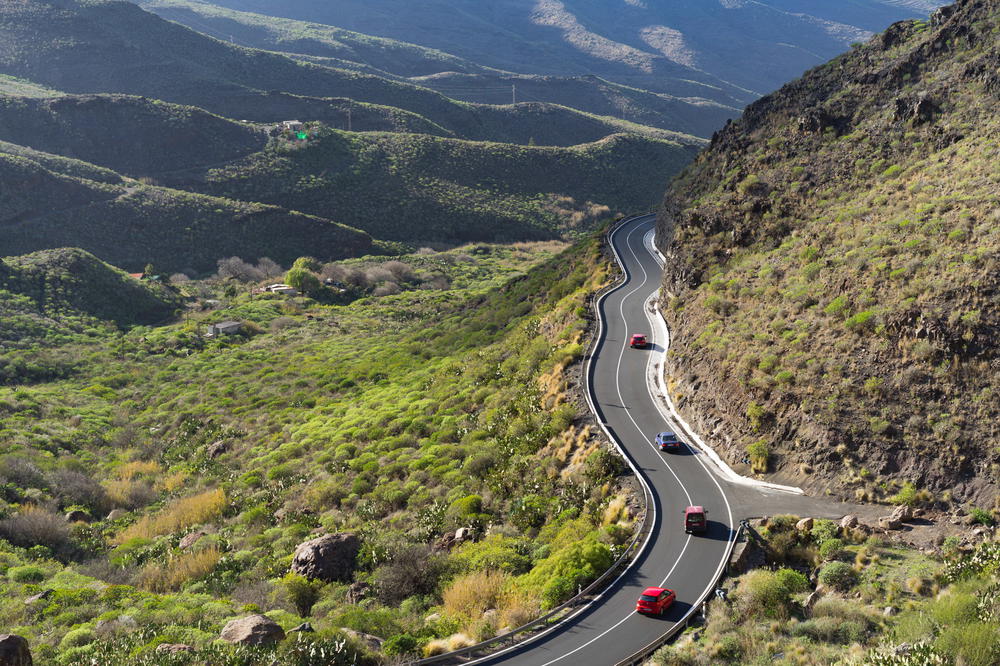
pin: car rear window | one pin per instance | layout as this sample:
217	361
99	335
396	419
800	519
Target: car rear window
647	597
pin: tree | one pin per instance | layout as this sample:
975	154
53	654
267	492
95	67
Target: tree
303	280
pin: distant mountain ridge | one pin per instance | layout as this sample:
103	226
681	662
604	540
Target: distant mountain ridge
736	47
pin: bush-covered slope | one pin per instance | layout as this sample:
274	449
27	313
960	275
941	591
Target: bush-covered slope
399	419
421	188
70	280
115	47
55	204
833	279
131	135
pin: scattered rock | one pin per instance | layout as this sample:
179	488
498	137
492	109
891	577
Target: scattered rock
463	533
305	628
373	643
173	648
357	591
889	523
14	651
446	542
328	558
252	630
939	540
804	525
903	648
44	594
432	618
849	522
889	611
191	539
217	448
902	513
78	516
117	513
980	531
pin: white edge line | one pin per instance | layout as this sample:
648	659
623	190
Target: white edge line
666	404
645	485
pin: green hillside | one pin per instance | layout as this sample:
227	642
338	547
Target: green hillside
833	279
399	419
418	188
50	202
132	135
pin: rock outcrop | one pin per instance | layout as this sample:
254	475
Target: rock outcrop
328	558
253	630
14	651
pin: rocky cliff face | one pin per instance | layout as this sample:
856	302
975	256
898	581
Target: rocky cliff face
832	277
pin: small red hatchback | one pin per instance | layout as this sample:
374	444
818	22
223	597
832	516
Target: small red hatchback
638	341
655	600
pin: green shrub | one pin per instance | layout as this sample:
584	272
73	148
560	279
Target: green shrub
792	580
761	593
974	644
831	549
758	454
838	575
26	574
400	645
981	516
907	495
861	321
77	638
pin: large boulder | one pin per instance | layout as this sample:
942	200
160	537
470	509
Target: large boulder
902	513
328	558
253	630
14	651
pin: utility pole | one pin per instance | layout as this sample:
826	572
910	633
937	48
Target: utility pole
513	93
348	118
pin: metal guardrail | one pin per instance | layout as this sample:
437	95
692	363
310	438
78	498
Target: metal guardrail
541	625
646	652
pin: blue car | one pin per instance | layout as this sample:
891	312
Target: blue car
668	441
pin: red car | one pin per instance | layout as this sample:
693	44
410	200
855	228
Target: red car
655	600
638	341
695	519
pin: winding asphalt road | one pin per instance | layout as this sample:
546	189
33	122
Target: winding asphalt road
610	630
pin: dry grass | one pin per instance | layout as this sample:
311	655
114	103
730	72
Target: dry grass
179	570
137	468
173	482
469	596
180	514
616	511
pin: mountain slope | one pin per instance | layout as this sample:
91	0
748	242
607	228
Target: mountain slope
116	47
132	135
685	48
452	76
419	188
49	202
833	278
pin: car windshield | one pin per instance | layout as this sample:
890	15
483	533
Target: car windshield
647	597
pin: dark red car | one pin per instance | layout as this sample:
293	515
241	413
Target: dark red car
638	341
695	519
655	600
